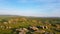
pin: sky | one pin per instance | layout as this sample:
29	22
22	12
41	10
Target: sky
38	8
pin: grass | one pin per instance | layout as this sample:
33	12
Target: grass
19	22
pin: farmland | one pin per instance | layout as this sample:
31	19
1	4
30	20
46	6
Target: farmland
29	25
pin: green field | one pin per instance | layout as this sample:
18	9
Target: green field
9	24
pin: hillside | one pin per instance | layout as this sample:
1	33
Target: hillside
13	24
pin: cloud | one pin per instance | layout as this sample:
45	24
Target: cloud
30	12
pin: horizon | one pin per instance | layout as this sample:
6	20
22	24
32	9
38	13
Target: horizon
36	8
27	16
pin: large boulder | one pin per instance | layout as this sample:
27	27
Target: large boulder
22	30
42	27
33	28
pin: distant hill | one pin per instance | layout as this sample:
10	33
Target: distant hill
25	16
8	15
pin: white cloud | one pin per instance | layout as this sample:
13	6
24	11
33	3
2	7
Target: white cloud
30	12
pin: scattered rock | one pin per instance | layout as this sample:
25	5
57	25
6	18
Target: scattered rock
33	28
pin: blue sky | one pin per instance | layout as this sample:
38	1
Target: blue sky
39	8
